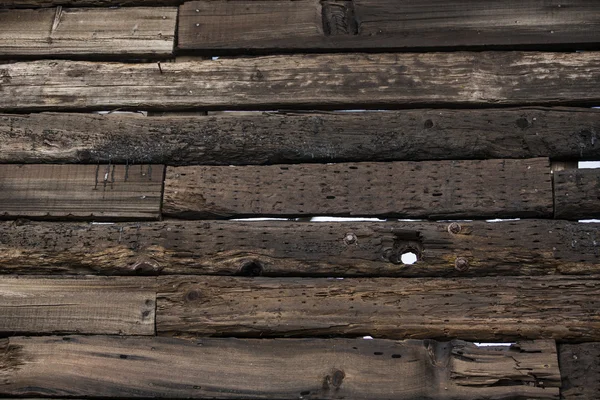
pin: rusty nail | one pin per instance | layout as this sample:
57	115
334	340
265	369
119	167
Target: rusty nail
461	264
350	238
454	228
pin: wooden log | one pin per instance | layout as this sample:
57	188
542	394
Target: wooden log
105	366
483	309
328	81
280	248
580	370
88	32
267	138
577	194
267	25
94	192
432	189
122	305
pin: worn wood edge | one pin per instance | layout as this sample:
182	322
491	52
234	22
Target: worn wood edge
577	194
580	370
272	138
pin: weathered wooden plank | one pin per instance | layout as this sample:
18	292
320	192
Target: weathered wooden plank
280	248
306	81
266	138
106	366
86	3
98	192
483	309
121	305
431	189
580	370
282	25
88	32
577	194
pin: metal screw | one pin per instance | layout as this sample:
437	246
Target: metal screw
461	264
454	228
350	238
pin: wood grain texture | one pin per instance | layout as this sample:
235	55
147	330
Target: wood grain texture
267	25
88	32
122	305
94	192
483	309
580	370
431	189
327	81
86	3
280	248
577	194
266	138
97	366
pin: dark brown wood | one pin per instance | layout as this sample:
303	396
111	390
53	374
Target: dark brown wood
88	32
282	25
580	370
265	138
136	367
121	305
483	309
280	248
86	3
432	189
93	192
328	81
577	194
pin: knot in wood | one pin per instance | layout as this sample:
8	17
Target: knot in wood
145	266
350	238
192	295
454	228
461	264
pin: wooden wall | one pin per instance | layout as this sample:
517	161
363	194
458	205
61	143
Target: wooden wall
125	271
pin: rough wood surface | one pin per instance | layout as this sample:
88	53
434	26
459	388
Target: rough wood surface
88	32
482	309
121	305
327	81
280	248
580	370
577	194
282	25
86	3
95	192
267	138
429	189
121	367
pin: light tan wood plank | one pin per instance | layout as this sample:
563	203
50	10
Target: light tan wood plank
93	192
88	32
122	306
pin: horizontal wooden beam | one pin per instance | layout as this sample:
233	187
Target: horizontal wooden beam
87	305
433	189
95	192
86	3
577	194
282	25
108	366
328	81
280	248
267	138
482	309
88	32
580	371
